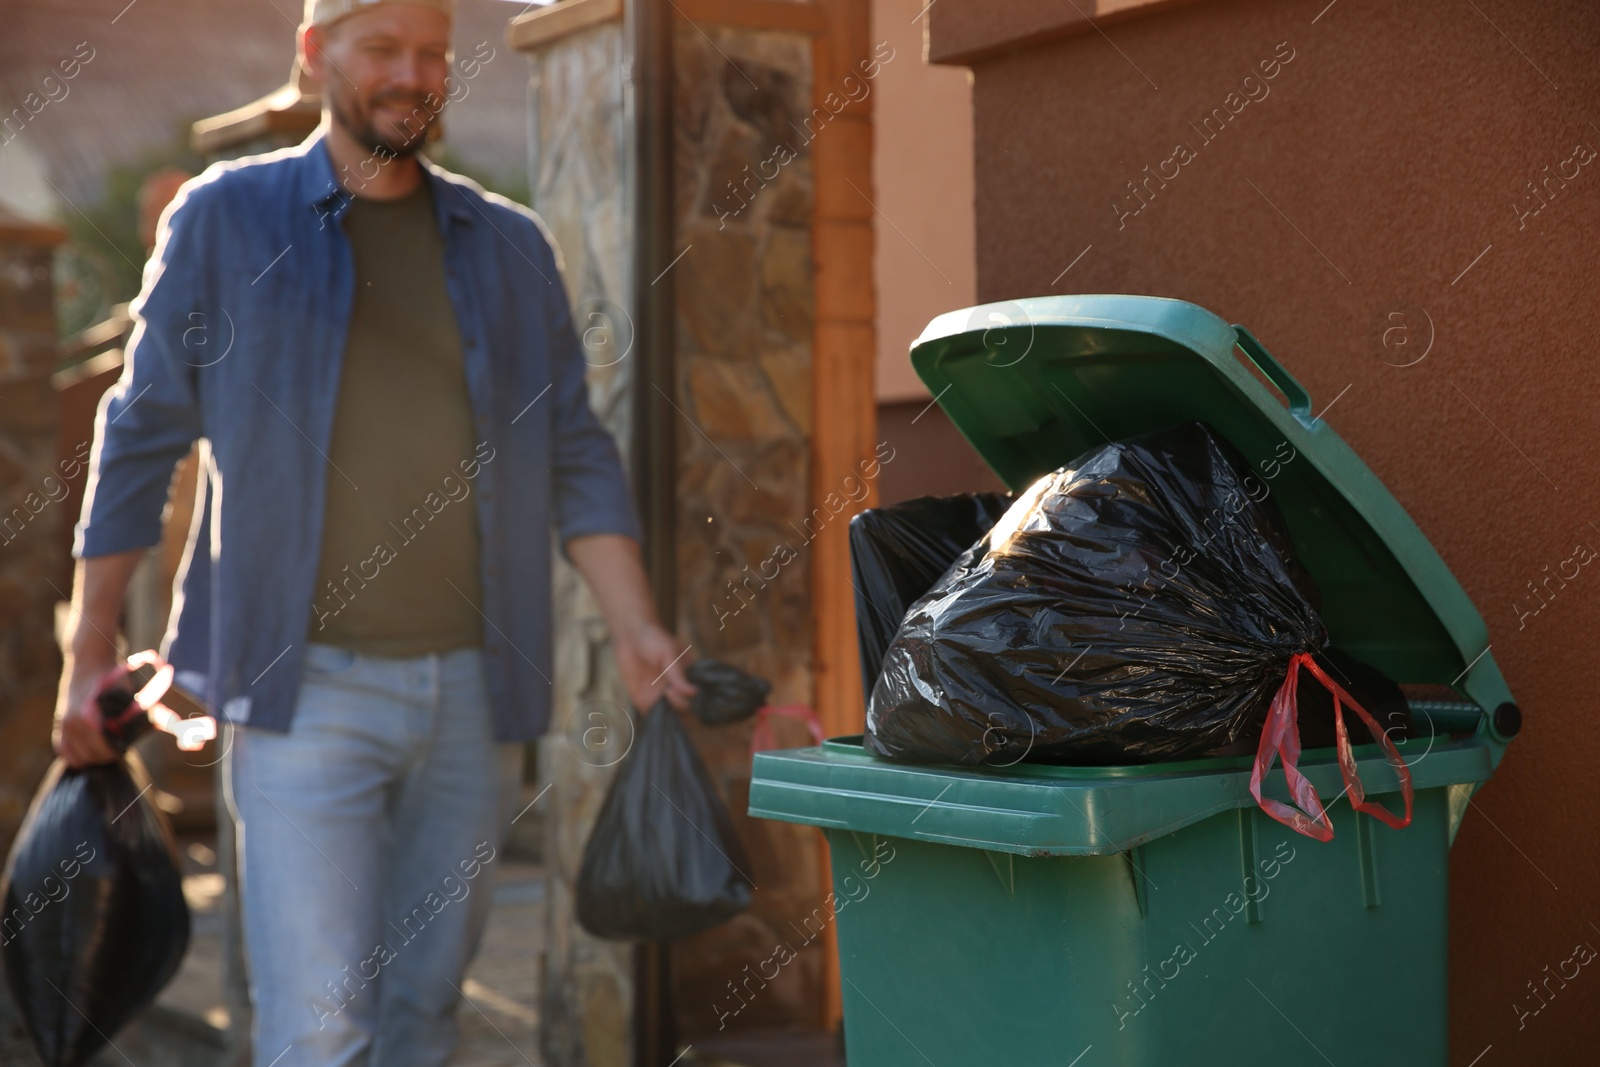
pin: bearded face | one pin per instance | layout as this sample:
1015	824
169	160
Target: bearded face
384	72
391	122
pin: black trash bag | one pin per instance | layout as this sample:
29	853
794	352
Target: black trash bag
1315	723
897	552
1371	687
95	924
663	860
1138	605
724	693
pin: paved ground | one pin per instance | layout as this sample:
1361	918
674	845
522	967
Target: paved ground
767	1050
499	1026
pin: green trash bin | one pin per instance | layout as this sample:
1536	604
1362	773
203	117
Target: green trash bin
1079	917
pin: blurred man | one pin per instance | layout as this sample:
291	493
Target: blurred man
379	358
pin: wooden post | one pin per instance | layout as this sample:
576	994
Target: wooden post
845	421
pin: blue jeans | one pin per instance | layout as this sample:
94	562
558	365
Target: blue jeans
367	842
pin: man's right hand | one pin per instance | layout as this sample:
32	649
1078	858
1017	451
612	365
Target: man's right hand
79	736
89	654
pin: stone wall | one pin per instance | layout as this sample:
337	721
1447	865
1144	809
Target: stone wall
34	573
745	318
743	352
578	143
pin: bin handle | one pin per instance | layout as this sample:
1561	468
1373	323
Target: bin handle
1267	364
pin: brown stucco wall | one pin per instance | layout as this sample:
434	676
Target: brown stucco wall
1396	140
922	181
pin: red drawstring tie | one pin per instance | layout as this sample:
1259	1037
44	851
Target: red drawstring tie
191	733
1281	737
762	739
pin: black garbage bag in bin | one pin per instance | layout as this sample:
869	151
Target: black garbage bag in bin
898	551
663	860
1370	686
95	923
1138	605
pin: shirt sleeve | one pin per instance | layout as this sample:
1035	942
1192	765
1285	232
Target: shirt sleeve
590	489
151	417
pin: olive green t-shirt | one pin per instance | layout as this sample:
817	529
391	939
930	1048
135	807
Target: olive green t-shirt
399	567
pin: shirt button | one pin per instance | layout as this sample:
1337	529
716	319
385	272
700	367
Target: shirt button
494	650
483	420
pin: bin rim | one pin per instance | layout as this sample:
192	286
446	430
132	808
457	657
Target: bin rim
1053	810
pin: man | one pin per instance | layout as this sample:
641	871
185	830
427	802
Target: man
379	359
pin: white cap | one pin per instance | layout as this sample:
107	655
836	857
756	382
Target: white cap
327	12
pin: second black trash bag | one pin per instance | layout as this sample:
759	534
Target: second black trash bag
1138	605
663	860
898	551
95	922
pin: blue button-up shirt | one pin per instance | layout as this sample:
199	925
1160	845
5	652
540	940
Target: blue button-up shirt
239	336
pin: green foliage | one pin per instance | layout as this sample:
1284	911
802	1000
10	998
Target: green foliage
103	261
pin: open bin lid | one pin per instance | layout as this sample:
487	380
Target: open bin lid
1034	383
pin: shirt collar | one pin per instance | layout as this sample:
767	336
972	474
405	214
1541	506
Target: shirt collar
449	195
323	192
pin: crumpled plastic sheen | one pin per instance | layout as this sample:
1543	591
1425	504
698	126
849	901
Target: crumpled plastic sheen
1140	604
95	923
663	860
898	551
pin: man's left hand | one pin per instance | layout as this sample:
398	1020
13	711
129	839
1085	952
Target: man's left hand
650	658
653	663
